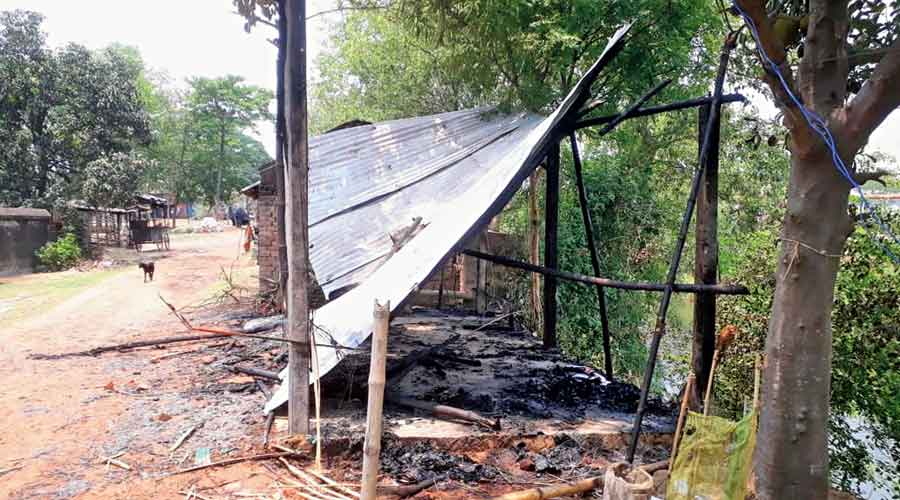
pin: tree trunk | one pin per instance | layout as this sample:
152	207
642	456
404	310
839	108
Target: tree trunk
218	199
791	457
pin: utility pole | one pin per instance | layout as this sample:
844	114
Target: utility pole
297	227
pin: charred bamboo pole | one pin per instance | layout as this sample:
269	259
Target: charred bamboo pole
679	247
706	256
595	258
372	450
551	257
655	110
256	372
447	412
609	283
297	224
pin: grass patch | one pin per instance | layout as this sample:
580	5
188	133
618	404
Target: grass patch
22	296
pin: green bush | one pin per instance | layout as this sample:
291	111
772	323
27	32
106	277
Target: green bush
865	380
60	254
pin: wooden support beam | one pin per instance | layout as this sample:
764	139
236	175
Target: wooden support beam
660	329
551	257
655	110
297	224
595	258
706	257
605	282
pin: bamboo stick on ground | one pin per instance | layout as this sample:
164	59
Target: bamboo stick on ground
312	483
555	491
231	461
688	387
334	484
372	449
582	486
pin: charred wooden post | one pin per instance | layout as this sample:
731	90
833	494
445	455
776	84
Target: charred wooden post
551	257
372	448
706	256
595	258
679	247
297	225
605	282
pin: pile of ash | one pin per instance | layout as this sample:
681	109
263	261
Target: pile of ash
569	391
413	463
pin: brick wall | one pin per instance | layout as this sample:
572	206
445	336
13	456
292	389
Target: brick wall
267	247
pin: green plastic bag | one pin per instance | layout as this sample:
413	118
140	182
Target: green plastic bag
714	459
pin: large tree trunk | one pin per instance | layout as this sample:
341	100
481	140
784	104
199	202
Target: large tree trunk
791	459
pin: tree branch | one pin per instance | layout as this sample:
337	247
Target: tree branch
878	97
342	9
875	175
858	57
772	46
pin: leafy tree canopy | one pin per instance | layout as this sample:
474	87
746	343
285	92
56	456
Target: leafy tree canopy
413	57
60	110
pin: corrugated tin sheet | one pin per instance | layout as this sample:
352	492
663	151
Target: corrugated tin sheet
454	170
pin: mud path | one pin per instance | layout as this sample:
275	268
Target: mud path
60	417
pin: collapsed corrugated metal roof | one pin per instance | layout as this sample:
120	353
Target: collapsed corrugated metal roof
454	171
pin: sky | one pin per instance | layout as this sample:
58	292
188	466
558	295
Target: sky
188	38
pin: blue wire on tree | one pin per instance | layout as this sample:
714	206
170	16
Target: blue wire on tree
818	125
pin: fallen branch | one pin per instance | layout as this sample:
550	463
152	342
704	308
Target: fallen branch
128	345
232	461
448	412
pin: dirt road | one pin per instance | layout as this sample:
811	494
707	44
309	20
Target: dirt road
61	417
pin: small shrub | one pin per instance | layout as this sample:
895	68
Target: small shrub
61	254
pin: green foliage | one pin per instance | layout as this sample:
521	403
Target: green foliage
424	56
865	380
112	181
60	110
201	147
61	254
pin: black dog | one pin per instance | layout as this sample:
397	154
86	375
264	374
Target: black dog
148	268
